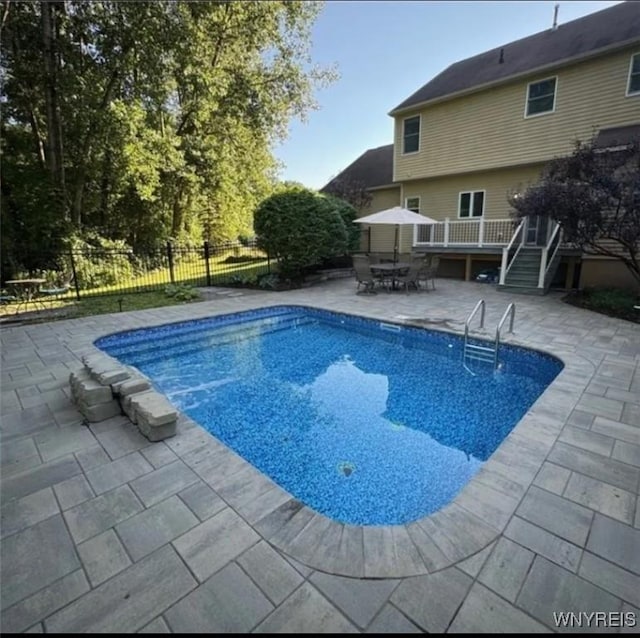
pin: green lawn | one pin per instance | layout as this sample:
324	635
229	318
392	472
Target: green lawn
191	272
110	303
147	290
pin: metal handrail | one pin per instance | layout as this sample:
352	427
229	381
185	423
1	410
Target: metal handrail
511	310
479	305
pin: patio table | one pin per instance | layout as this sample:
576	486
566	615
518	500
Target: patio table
390	270
26	290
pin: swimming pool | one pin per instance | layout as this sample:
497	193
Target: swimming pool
366	422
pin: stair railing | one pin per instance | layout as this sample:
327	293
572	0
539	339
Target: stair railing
507	260
548	255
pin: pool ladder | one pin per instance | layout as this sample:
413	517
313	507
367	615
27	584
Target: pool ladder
486	354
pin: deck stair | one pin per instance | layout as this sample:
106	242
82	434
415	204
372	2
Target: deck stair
530	269
524	272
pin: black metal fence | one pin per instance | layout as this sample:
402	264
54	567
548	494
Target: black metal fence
94	272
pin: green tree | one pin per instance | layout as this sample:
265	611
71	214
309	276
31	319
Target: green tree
594	194
145	121
300	228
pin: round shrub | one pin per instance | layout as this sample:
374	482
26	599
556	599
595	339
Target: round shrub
348	213
299	228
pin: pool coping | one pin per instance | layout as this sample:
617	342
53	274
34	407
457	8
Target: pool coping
472	521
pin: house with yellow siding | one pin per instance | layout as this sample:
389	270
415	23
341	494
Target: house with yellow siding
483	130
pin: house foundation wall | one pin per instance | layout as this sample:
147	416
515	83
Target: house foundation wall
609	273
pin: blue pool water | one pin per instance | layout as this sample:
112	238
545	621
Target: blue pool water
365	422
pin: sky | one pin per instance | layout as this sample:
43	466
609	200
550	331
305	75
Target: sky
384	51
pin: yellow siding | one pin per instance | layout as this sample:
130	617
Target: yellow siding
439	196
488	129
382	237
406	239
381	200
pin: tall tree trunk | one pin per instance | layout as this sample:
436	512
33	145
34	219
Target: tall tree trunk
104	189
55	155
30	100
178	212
81	169
5	15
78	193
37	139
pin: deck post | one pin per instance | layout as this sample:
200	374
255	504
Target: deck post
543	267
481	233
571	271
503	265
446	232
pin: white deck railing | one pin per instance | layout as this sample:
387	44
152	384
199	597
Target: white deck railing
469	232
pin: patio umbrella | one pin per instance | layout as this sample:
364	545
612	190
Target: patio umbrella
397	216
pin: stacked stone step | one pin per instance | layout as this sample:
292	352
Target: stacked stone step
94	398
155	417
105	388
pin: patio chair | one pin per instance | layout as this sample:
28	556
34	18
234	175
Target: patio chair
57	288
428	272
363	273
384	278
410	278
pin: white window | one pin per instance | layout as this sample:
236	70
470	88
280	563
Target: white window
471	204
633	86
411	135
412	203
541	97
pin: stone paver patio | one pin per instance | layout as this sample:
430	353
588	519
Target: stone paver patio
104	531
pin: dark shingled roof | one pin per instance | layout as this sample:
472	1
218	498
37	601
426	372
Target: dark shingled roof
617	136
373	168
575	39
